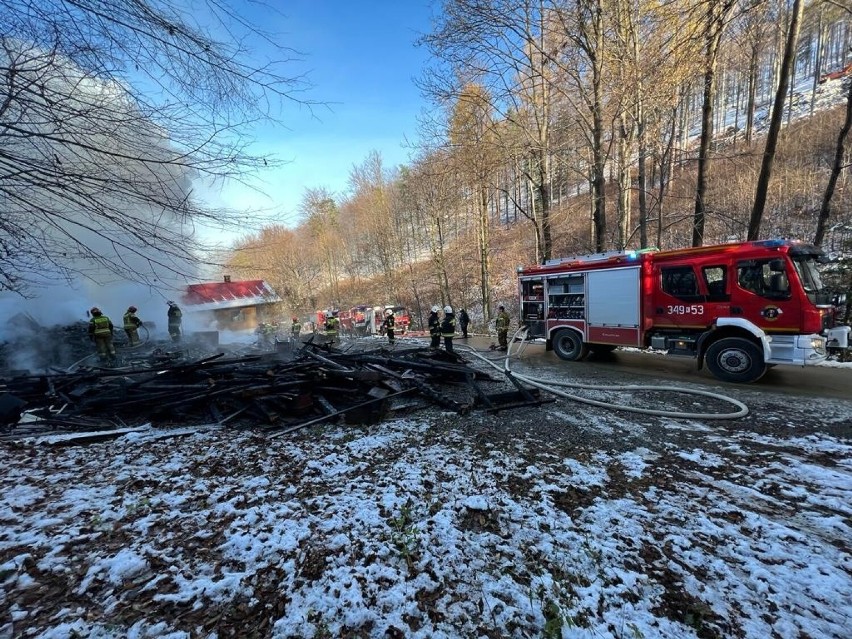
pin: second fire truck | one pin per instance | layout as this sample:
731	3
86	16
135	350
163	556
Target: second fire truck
738	308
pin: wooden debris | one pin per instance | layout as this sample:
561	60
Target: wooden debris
278	392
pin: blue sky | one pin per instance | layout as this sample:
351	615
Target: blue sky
361	61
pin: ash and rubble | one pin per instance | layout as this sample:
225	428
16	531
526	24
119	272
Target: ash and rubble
31	347
277	387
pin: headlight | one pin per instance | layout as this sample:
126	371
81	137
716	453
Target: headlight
818	344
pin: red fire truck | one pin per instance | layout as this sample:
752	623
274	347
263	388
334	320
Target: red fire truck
402	320
363	320
739	308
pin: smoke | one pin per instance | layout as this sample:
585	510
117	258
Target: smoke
107	222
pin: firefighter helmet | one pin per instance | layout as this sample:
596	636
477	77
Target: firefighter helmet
132	309
435	309
171	303
335	312
448	309
95	311
389	311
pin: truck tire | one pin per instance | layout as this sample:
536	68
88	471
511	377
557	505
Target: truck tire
568	345
735	359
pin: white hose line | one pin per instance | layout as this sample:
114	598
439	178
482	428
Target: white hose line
140	344
548	386
646	411
73	367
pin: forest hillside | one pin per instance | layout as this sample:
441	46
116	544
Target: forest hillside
558	132
296	261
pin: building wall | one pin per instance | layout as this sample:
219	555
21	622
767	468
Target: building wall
237	319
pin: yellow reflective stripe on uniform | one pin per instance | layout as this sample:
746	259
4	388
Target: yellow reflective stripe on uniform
101	325
453	325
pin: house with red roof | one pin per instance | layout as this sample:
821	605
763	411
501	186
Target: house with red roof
235	305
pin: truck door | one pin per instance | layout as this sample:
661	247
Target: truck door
763	296
678	299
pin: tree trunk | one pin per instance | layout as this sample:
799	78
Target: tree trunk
484	251
599	176
818	61
699	216
775	123
543	189
752	97
641	175
666	168
836	168
624	144
718	13
737	108
436	241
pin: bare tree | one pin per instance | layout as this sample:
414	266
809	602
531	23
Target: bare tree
322	219
109	109
286	259
501	45
754	28
471	135
775	122
375	228
715	19
837	164
582	23
429	190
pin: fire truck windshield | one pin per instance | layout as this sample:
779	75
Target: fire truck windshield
806	268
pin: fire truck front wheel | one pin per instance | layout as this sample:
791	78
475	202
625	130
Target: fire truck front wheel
568	345
735	359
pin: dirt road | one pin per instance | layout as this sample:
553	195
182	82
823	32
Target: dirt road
816	381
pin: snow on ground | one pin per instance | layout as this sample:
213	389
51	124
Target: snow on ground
558	522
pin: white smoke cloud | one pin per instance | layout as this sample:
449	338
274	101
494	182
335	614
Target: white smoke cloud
103	227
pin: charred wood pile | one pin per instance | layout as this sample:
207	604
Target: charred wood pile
29	346
277	392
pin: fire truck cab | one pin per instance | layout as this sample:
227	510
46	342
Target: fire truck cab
739	308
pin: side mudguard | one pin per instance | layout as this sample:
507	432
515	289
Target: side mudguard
732	326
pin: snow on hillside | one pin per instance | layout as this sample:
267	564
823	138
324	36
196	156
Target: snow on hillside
828	95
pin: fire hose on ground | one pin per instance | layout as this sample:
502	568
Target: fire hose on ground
549	386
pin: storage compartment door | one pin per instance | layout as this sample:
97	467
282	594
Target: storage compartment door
613	303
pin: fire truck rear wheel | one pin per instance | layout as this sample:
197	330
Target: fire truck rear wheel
568	345
735	359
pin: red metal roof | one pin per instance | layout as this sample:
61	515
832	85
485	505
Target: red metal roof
212	292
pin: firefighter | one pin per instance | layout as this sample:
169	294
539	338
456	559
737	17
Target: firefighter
435	328
131	325
295	328
332	326
270	333
175	320
502	326
388	325
464	321
448	328
100	332
265	334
